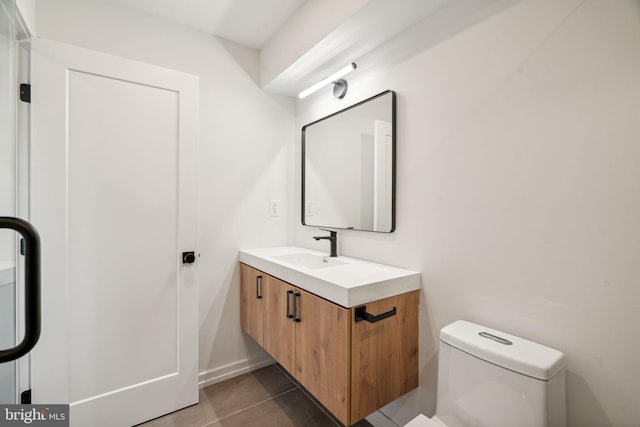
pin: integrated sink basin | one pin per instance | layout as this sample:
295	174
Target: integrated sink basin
349	282
307	260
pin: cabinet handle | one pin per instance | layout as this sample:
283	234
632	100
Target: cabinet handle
296	297
361	314
289	315
258	287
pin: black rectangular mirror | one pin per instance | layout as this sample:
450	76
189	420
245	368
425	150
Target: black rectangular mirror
348	167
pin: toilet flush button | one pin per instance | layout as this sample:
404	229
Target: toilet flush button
495	338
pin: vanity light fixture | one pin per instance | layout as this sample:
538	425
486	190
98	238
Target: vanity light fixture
340	88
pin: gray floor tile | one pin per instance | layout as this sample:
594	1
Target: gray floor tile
263	398
220	400
291	409
362	423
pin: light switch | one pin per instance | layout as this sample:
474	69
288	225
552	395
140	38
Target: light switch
308	208
274	208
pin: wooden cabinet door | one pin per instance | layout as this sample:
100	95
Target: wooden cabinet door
322	351
279	328
384	354
252	302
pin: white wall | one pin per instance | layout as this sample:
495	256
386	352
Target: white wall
245	152
27	10
518	192
309	25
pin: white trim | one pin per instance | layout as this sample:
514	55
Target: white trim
378	419
231	370
22	29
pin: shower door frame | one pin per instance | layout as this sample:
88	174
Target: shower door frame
23	368
19	70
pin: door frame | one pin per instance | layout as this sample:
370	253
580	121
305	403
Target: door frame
23	368
52	64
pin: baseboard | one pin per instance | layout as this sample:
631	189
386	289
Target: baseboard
378	419
232	370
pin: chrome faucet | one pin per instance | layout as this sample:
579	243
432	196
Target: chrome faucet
333	238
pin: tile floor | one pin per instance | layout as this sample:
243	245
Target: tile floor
266	397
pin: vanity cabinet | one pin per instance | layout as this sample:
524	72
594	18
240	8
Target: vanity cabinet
352	366
252	302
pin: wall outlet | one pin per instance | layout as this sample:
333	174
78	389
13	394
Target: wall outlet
274	208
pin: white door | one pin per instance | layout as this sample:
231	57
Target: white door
382	175
113	193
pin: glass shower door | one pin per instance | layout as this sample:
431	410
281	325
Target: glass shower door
8	195
19	240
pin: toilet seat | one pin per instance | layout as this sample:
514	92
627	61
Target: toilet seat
424	421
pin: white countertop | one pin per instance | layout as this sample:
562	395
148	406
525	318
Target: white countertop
351	283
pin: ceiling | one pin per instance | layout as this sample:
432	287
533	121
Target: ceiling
250	23
303	41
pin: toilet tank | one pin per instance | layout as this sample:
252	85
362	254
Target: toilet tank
487	378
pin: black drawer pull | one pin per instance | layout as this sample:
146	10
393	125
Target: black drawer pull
361	314
289	315
258	287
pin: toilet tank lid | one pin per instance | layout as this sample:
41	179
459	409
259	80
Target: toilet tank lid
508	351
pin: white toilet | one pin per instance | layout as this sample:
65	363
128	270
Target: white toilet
487	378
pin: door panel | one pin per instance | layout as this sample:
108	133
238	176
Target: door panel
114	197
322	352
252	302
381	348
383	175
122	233
279	330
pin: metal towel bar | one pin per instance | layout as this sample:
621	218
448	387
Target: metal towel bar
361	314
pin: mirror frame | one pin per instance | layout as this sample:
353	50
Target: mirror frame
393	162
